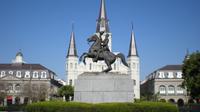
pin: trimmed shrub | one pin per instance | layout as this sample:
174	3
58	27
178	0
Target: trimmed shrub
104	107
12	108
57	106
162	100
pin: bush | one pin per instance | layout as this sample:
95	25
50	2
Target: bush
58	106
162	100
12	108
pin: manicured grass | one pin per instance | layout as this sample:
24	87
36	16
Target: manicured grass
58	106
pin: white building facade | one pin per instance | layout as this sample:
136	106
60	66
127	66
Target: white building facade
75	68
22	83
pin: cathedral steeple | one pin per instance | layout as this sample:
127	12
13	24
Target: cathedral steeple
102	21
132	47
72	46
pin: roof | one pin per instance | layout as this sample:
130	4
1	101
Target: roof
171	67
22	66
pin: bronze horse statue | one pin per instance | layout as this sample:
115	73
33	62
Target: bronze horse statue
107	56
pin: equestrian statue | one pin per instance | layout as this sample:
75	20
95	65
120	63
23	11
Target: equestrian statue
99	51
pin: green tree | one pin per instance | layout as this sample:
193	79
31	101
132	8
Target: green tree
191	75
67	91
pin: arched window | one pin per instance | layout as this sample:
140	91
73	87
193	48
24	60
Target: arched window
35	74
179	89
170	75
161	75
133	65
3	73
10	87
44	74
75	65
70	82
134	82
162	89
27	74
10	72
171	89
171	101
71	65
179	75
18	74
17	87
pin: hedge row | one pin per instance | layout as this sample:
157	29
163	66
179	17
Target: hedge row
57	106
12	108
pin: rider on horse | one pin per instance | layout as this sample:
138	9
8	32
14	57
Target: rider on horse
104	45
99	50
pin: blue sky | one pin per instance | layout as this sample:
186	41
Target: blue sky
164	29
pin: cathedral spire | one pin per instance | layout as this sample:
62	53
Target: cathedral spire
72	45
102	21
132	47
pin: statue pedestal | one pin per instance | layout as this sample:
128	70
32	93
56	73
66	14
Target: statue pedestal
103	87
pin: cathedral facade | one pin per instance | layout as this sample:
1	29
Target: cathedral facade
74	68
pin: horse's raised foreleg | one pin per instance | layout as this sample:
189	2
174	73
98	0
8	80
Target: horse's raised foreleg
83	56
84	59
108	65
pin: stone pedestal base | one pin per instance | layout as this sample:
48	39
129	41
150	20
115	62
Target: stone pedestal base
103	87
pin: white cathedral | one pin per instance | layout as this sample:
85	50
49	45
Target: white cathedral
74	68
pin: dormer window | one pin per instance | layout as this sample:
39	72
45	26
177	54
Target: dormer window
170	75
18	74
3	73
44	75
179	74
35	74
161	75
27	74
10	72
52	76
